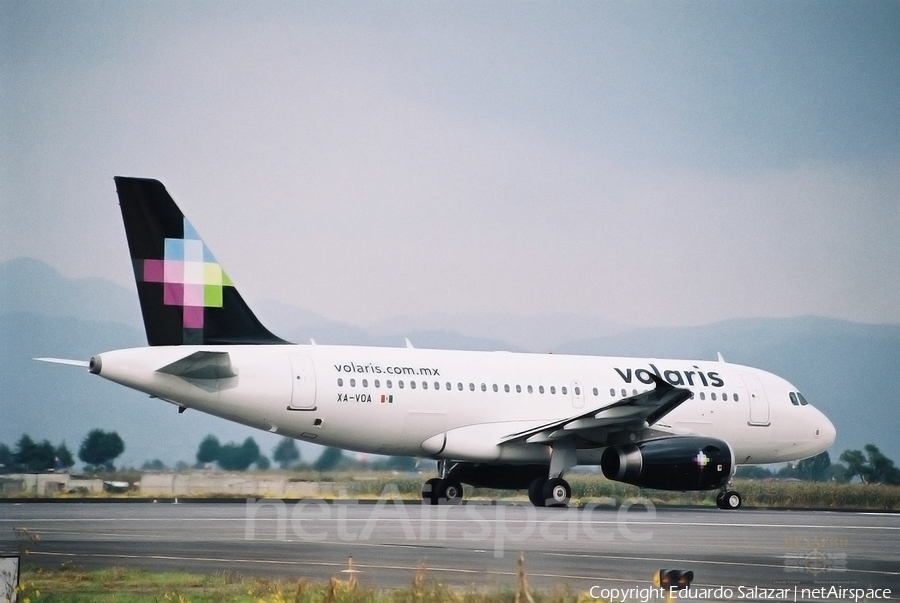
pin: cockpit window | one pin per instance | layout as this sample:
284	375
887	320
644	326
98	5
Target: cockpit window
797	399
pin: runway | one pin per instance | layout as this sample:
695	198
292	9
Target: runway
470	545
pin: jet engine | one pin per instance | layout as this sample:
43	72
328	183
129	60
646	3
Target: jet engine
673	463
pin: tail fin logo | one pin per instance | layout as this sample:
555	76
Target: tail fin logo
190	276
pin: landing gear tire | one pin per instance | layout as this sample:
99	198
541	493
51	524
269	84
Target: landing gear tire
728	499
429	491
448	492
536	492
556	492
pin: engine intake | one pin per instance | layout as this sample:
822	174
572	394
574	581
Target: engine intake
675	463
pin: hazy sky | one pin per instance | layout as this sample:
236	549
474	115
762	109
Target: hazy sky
647	163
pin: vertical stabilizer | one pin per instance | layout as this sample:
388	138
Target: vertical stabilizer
186	298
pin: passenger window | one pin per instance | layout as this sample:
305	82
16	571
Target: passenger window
530	390
540	389
389	384
735	397
437	385
702	396
518	389
564	390
341	383
459	385
471	387
612	392
506	387
483	387
495	388
634	392
624	393
596	393
400	384
552	389
449	387
353	383
712	396
412	385
424	385
725	397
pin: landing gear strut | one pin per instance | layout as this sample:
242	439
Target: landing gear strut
554	491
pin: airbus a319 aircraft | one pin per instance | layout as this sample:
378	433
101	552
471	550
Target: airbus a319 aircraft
492	419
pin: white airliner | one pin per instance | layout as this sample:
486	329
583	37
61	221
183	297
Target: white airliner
493	419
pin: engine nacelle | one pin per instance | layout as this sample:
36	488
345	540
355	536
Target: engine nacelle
675	463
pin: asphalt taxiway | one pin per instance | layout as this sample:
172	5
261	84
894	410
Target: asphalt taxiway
470	545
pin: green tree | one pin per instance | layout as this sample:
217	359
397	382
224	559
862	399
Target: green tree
31	456
7	459
329	459
871	466
263	463
815	468
234	457
856	465
209	450
100	449
63	455
881	468
286	453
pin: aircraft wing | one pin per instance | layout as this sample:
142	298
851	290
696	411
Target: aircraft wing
638	411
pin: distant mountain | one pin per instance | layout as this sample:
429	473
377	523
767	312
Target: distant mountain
542	333
28	285
848	370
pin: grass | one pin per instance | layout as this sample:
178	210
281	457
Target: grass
121	585
588	487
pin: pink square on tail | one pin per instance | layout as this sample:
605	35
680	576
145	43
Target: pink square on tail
153	271
173	294
193	317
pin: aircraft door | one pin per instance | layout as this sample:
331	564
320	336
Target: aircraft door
577	394
303	395
759	403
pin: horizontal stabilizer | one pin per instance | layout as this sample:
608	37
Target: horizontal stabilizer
201	365
66	361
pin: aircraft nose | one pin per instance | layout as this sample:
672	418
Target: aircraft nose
828	432
825	431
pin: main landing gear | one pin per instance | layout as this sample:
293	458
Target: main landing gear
442	491
728	499
549	492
